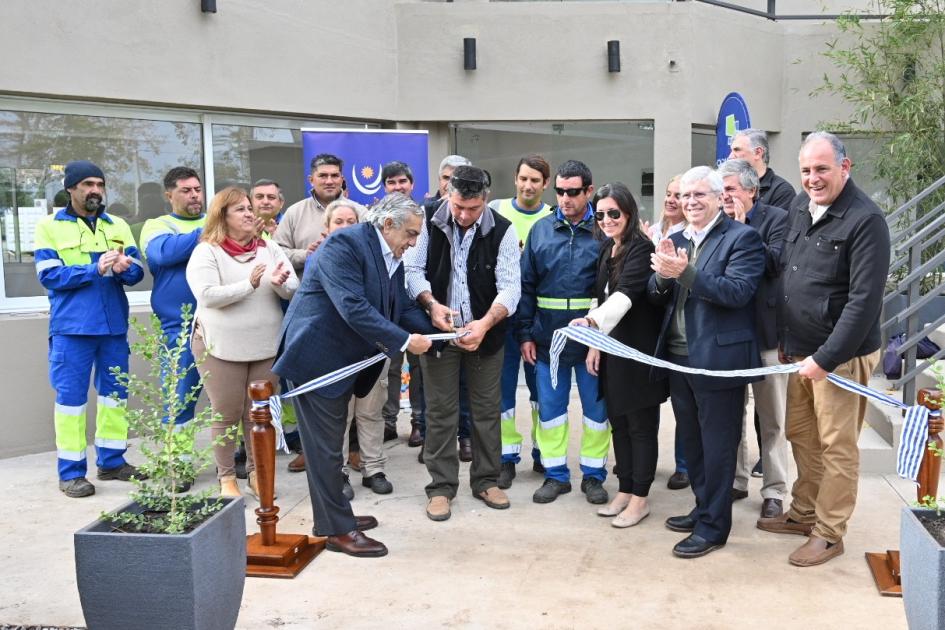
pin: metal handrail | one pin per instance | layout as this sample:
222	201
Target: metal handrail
909	247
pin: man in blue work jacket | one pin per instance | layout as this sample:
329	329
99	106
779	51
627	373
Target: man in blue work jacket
167	242
84	258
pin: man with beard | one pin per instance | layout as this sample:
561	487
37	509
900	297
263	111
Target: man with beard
84	258
167	242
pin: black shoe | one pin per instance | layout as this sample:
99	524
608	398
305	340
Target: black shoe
378	483
347	490
738	495
420	455
757	471
465	450
538	467
77	488
678	481
695	546
684	523
506	475
593	488
239	460
771	508
390	432
122	473
550	490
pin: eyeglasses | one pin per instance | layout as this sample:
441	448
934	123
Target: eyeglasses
473	186
613	213
570	192
698	196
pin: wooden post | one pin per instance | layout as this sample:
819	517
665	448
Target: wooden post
885	566
269	554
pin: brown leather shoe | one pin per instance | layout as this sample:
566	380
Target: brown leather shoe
438	508
771	508
364	523
815	551
356	544
465	449
494	498
784	525
416	438
297	464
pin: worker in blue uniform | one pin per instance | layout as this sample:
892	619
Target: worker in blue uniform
84	258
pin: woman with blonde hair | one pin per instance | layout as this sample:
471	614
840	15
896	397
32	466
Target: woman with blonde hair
238	279
672	220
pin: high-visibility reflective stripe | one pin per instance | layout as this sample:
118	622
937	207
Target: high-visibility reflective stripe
69	410
508	414
594	462
554	422
48	264
115	444
180	427
136	261
534	405
511	449
564	304
550	462
112	403
595	426
72	456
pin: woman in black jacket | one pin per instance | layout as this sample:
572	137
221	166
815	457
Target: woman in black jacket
633	391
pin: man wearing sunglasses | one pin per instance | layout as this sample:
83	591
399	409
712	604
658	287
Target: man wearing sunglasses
465	272
559	268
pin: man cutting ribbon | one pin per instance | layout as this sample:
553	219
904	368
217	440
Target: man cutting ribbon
351	303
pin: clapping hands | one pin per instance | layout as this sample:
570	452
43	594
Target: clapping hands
668	261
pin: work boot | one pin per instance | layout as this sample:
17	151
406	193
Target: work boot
378	483
465	449
76	488
229	488
390	432
239	460
416	437
550	490
347	490
122	473
593	489
506	475
538	467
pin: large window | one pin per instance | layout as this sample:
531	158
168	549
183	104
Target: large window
614	151
135	147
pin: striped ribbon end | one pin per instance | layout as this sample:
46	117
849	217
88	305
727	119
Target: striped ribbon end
912	442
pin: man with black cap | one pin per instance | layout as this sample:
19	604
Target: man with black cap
84	258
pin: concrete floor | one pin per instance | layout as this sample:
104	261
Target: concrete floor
532	566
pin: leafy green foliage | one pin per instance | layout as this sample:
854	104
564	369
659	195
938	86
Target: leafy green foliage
172	459
892	71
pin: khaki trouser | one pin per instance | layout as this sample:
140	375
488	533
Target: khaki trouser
823	425
770	396
367	413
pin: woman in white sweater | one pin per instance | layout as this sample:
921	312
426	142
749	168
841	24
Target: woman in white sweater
238	279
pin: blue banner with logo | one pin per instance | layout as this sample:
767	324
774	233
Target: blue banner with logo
364	152
733	117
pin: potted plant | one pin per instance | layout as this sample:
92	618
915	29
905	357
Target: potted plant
922	549
166	559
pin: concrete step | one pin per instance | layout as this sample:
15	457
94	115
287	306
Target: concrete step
876	455
886	421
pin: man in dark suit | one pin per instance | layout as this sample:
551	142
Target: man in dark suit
707	276
351	304
740	201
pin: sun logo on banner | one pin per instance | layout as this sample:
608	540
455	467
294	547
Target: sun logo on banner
363	181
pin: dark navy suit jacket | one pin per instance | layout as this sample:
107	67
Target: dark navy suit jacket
720	312
770	221
346	309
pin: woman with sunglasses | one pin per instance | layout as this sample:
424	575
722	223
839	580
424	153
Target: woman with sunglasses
632	391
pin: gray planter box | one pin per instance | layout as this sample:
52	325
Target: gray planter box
157	581
922	562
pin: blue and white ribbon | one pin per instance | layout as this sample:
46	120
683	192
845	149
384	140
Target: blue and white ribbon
912	442
275	402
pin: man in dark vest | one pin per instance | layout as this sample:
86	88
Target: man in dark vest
465	273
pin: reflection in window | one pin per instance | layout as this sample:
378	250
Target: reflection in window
242	155
34	148
614	151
